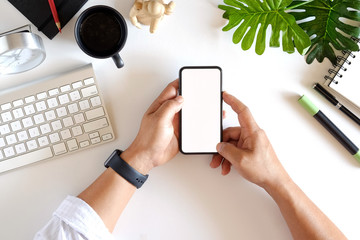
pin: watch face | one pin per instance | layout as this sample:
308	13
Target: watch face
20	52
20	60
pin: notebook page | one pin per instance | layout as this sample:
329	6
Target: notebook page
347	83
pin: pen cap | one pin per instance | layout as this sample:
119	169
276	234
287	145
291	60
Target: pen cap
357	156
308	105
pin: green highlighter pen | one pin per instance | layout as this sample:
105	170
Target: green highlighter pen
330	126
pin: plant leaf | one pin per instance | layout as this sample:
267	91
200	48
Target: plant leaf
327	27
253	17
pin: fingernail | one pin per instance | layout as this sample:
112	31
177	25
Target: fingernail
219	147
179	99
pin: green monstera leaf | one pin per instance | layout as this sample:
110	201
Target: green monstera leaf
249	14
328	29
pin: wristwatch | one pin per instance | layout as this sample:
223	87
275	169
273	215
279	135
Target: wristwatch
125	170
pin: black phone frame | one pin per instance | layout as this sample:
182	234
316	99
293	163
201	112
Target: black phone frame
221	107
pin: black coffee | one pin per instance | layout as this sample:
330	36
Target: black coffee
101	33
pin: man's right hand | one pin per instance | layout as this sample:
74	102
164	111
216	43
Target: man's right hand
248	149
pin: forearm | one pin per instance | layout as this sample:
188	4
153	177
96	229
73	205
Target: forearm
304	219
108	196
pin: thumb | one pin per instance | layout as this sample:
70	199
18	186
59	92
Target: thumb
229	152
169	108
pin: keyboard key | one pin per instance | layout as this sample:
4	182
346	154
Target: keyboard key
53	92
9	152
54	137
5	106
79	118
18	103
39	118
52	102
95	125
76	131
61	111
73	108
65	134
30	99
43	141
29	109
18	113
75	95
50	115
68	122
77	84
41	95
1	155
59	149
95	101
31	145
40	106
72	145
11	139
84	143
20	148
22	136
107	137
56	125
65	88
45	128
94	135
89	91
4	129
64	99
15	126
84	105
95	113
89	81
95	140
34	132
6	116
27	122
2	142
27	158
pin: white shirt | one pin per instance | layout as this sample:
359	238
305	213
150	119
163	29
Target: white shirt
74	219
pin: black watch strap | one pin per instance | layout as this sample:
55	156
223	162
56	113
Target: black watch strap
125	170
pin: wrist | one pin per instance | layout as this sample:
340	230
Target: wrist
278	185
137	160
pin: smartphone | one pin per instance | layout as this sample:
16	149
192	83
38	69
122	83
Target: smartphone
201	114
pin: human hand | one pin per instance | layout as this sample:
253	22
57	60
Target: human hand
248	149
157	140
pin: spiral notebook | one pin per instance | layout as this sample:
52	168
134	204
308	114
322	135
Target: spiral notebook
344	78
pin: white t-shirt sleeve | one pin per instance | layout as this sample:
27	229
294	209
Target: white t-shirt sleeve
74	219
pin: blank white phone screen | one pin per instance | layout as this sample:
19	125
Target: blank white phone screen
201	114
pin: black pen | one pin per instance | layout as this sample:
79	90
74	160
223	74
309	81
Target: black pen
330	126
335	102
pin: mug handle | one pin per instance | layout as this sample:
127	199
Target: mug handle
118	61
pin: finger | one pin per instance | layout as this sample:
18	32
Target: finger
231	133
224	114
168	93
168	109
245	117
216	161
176	124
225	167
229	152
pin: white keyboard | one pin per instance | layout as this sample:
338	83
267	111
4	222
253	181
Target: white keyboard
52	117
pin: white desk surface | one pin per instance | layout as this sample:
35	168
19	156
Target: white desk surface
186	199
